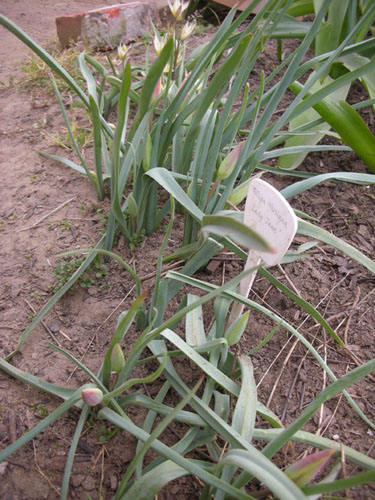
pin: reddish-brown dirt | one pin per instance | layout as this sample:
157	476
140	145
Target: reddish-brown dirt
47	209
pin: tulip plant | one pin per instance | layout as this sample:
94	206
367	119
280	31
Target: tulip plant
332	111
186	121
111	392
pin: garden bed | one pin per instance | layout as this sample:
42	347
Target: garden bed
46	209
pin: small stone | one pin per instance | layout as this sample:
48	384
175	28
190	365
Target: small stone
3	467
54	326
77	480
113	479
88	483
335	437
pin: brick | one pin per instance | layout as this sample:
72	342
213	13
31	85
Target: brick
241	5
107	27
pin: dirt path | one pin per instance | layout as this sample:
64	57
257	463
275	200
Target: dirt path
46	209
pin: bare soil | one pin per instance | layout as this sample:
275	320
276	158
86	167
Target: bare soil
47	209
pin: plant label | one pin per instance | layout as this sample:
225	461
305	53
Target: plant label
269	214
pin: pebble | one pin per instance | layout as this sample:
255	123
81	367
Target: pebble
88	483
54	326
77	480
113	479
3	467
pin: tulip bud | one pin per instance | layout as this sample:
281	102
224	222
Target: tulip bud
117	359
147	154
122	51
308	467
227	165
92	396
157	90
132	206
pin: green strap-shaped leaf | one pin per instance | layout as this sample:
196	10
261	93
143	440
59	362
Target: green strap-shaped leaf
306	184
246	407
195	334
38	383
90	80
191	466
308	438
163	177
149	484
72	451
97	146
250	303
347	123
155	434
240	233
202	362
308	229
119	335
257	465
151	80
341	484
32	433
335	388
236	329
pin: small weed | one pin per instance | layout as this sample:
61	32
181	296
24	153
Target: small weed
106	434
66	268
40	410
35	295
82	136
29	256
8	85
65	225
354	217
33	179
137	240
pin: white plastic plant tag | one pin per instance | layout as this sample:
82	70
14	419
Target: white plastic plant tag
269	214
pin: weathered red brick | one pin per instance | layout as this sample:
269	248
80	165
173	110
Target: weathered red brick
108	26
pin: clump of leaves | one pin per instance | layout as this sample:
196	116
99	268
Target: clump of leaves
65	269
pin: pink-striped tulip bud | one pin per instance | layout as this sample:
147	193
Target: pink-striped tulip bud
157	90
227	165
304	471
92	396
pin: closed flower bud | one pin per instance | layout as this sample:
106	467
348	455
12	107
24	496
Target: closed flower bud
227	165
157	90
92	396
117	359
122	51
132	208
